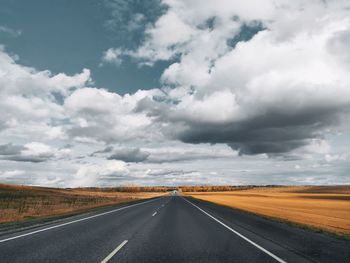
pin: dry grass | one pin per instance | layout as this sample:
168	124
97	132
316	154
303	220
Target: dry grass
326	208
25	202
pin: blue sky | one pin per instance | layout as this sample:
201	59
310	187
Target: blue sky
67	36
169	92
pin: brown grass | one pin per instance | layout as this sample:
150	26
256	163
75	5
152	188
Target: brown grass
325	208
25	202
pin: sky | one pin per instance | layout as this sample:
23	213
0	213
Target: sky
173	92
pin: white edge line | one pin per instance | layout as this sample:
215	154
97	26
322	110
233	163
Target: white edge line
239	234
154	213
114	251
75	221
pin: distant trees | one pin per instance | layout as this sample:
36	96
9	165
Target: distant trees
131	189
183	188
211	188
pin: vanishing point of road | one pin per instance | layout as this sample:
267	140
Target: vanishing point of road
170	229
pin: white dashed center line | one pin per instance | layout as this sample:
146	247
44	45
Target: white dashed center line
115	251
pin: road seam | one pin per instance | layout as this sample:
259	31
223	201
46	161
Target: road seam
75	221
115	251
239	234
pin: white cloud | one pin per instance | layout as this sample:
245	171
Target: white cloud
41	150
168	34
337	157
37	149
17	79
93	174
29	96
106	116
113	55
10	32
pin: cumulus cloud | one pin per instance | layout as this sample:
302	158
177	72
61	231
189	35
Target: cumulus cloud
273	92
262	80
270	82
106	116
113	55
30	99
95	174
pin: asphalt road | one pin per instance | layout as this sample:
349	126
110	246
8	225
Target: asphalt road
171	229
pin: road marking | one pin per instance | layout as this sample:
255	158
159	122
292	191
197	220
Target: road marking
114	252
154	213
75	221
239	234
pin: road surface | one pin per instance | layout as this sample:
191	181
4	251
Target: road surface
171	229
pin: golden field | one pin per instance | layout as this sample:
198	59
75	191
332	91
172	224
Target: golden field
323	207
26	202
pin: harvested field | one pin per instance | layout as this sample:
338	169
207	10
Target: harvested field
322	207
26	202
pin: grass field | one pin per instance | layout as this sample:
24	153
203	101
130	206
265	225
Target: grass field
26	202
324	208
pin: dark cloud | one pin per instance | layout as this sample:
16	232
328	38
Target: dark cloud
274	131
155	156
171	157
108	149
170	173
21	158
10	149
129	155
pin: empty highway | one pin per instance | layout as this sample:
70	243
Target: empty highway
170	229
